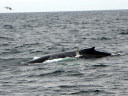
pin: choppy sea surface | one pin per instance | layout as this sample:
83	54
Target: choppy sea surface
26	35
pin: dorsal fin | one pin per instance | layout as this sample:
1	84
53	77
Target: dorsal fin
92	49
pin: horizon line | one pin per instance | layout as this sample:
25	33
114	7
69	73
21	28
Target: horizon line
67	11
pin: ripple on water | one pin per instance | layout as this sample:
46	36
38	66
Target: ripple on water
8	27
123	33
100	66
5	38
53	73
88	92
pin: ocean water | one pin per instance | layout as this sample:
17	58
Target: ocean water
26	35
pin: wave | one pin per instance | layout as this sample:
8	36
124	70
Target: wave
28	45
102	38
88	91
13	61
5	38
74	73
10	51
8	27
67	86
124	33
54	73
4	44
100	66
27	26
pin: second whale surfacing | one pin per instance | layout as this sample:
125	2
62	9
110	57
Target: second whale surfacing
84	54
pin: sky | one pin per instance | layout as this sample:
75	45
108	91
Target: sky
61	5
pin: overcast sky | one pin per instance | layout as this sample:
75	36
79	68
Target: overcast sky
61	5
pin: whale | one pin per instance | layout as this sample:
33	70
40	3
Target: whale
79	54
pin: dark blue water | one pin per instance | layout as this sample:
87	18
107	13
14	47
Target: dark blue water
26	35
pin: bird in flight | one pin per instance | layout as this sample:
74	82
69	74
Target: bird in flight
8	8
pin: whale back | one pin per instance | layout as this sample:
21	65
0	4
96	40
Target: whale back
40	60
85	53
92	53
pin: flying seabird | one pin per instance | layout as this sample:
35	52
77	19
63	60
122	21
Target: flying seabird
8	8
